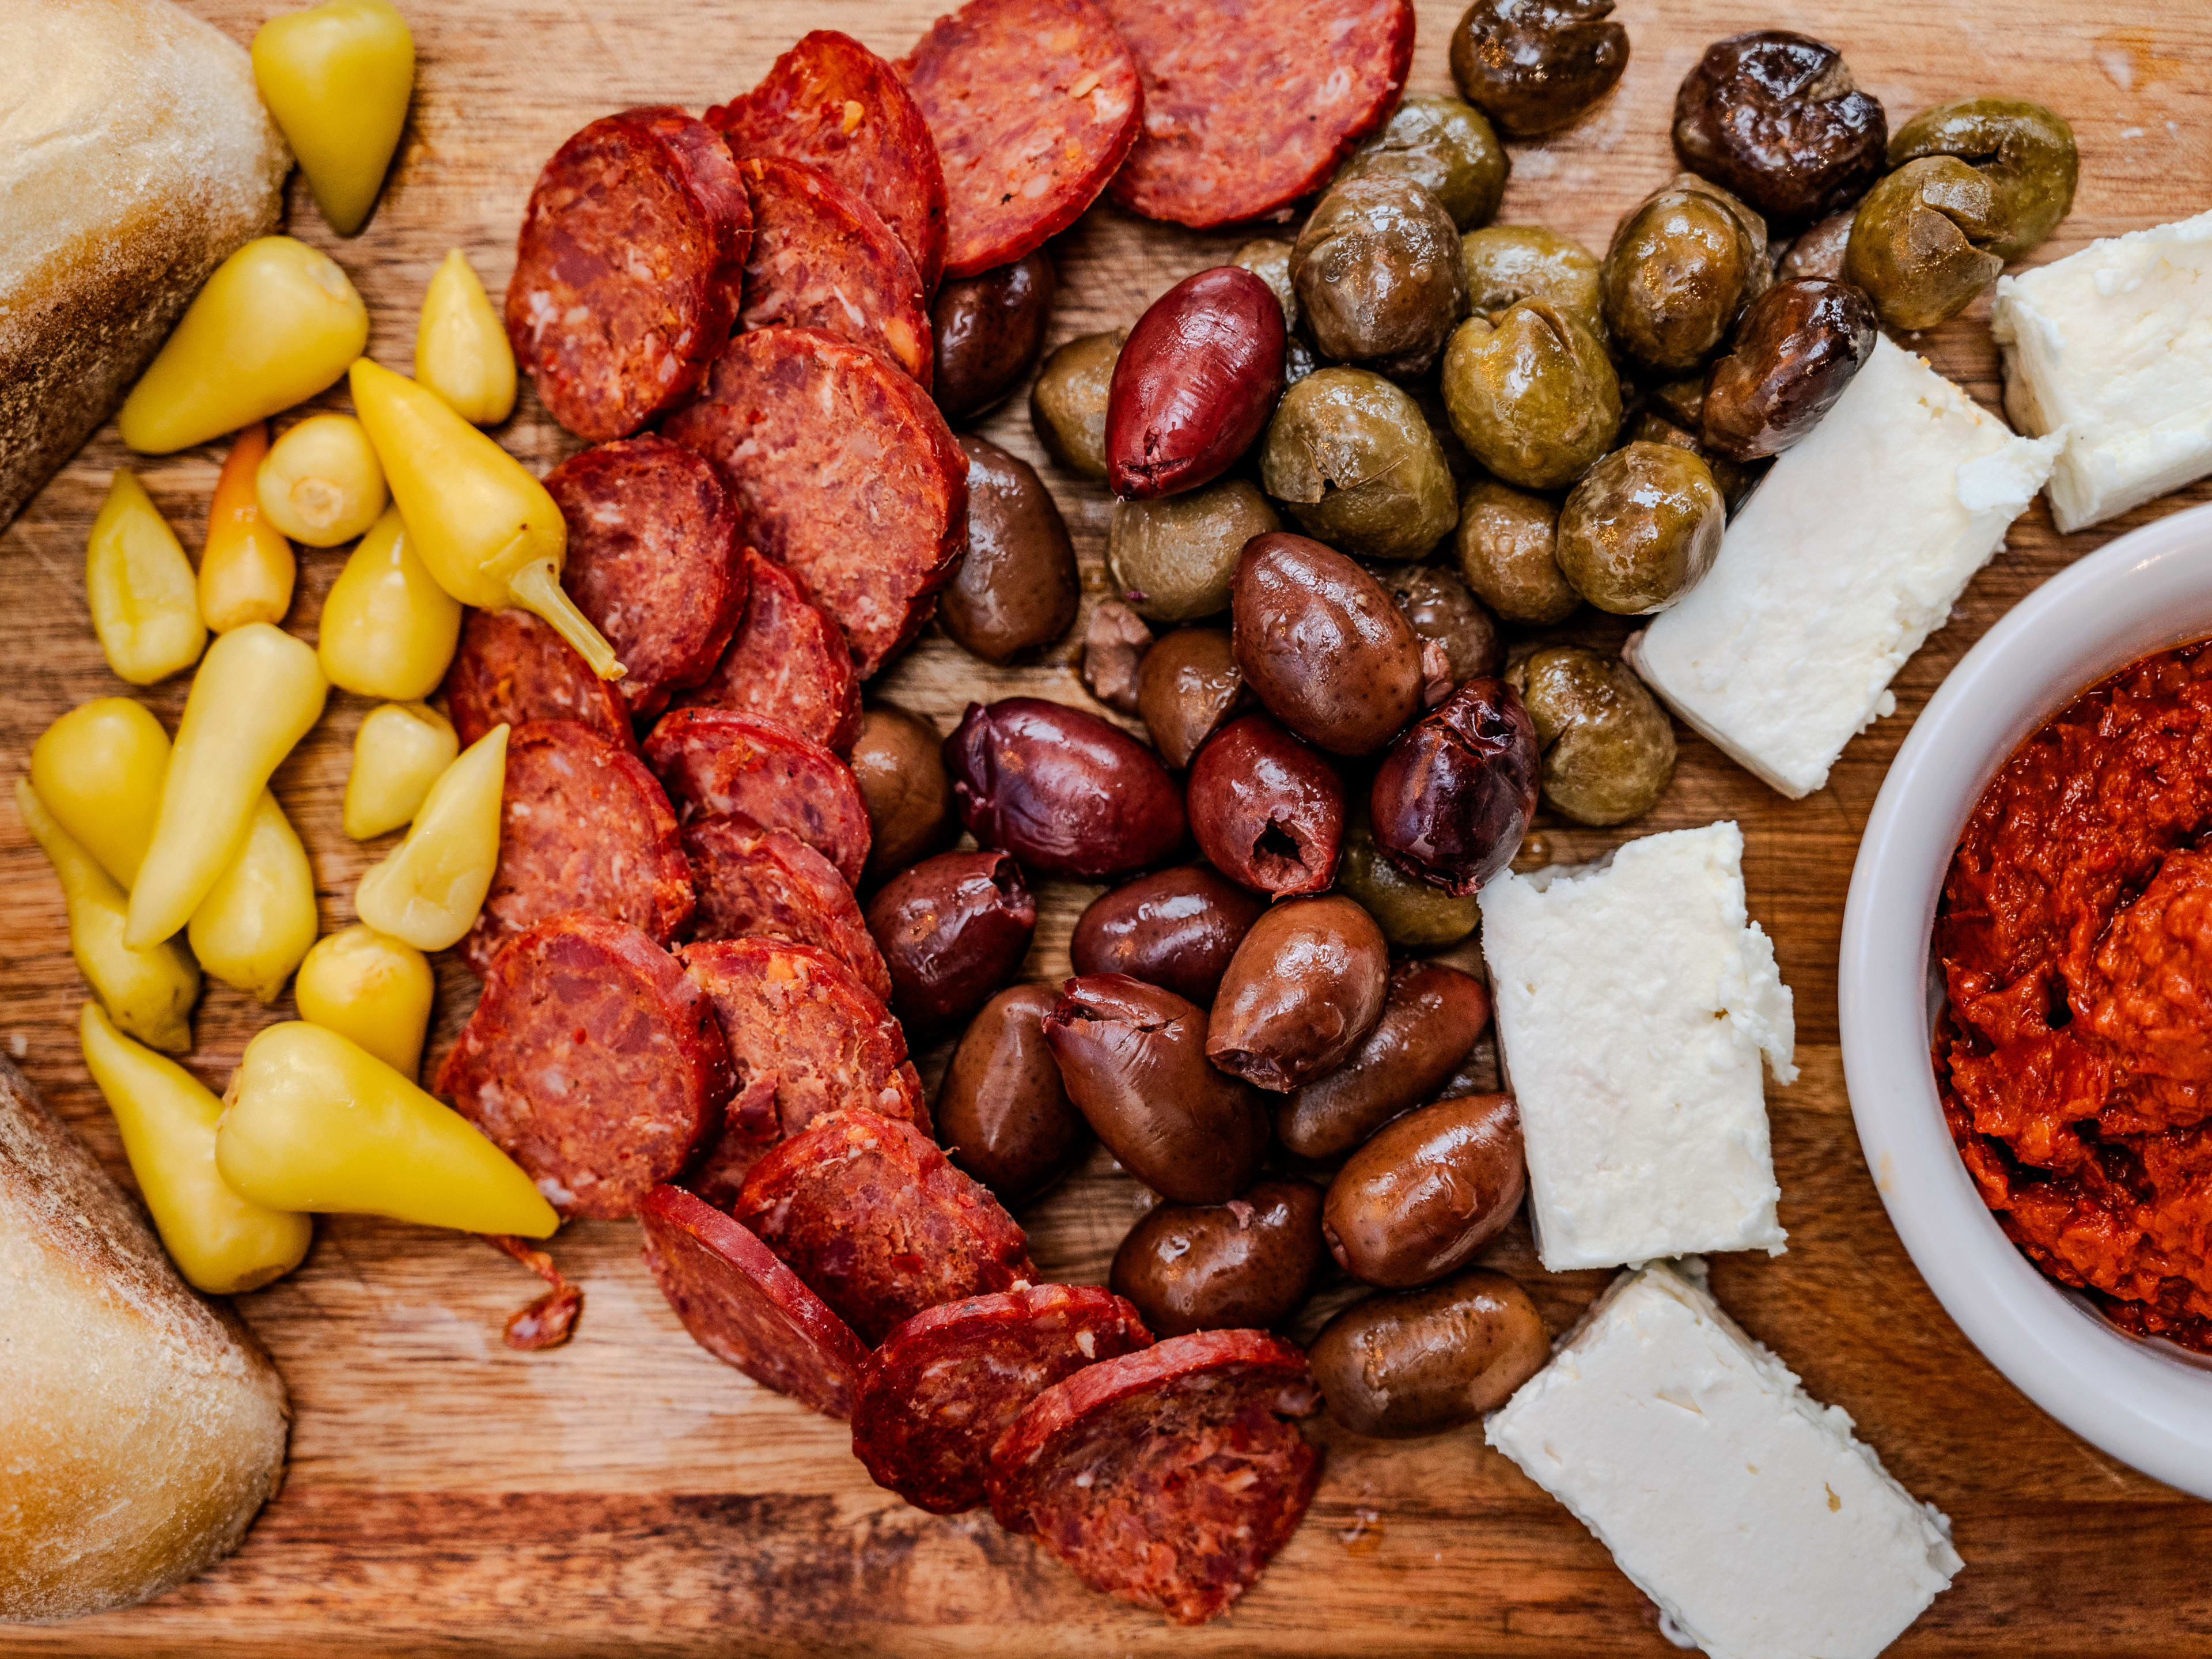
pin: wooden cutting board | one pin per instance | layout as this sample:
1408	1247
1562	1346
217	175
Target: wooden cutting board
627	1492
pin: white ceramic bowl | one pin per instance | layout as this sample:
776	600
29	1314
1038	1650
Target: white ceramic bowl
2148	1403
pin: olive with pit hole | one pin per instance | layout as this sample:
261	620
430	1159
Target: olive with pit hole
1413	915
1415	1363
1437	607
1641	529
1064	792
1302	991
1172	559
1003	1114
1270	261
1174	928
1267	810
898	761
1426	1192
1447	147
1508	263
1322	645
989	330
1535	65
1682	266
1504	547
1775	117
1453	798
1819	251
1114	647
1246	1265
1067	401
1795	351
1187	687
1431	1016
1923	244
1608	748
1194	383
953	930
1354	459
1531	393
1017	587
2025	148
1378	275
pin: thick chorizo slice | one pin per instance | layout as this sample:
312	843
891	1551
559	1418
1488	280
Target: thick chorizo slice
744	1307
936	1396
582	826
871	1215
1033	105
1167	1477
629	269
653	561
513	668
787	663
754	883
844	469
715	761
822	258
592	1062
1248	109
831	102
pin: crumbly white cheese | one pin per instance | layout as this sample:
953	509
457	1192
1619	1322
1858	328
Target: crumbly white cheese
1849	554
1750	1512
1633	1002
2111	350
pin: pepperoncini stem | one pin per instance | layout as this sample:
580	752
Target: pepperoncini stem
537	588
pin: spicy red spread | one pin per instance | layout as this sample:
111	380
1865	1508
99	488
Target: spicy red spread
2075	937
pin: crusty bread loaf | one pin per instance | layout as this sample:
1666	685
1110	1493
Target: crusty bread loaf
135	157
141	1428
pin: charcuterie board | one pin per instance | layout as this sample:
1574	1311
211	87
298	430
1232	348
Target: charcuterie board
626	1492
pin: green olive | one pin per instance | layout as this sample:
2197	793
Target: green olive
1507	264
1531	393
1608	749
1413	915
1682	268
2026	149
1735	477
1921	243
1352	459
1377	272
1641	529
1270	261
1172	558
1505	549
1447	147
1067	405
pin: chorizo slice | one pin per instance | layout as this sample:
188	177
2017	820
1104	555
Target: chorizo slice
1169	1476
593	1062
582	826
512	669
823	259
1033	105
787	663
653	561
870	1214
935	1397
715	761
756	883
744	1307
629	269
844	469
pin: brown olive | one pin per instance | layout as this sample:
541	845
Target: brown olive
1017	587
1437	606
1420	1362
1923	243
1508	263
1734	477
1188	686
1446	147
1413	915
1270	261
1531	393
2025	148
953	930
1505	551
1452	800
1682	266
1776	118
1378	275
1267	810
1608	749
1114	647
1353	458
1003	1114
1067	401
1795	351
1426	1192
899	764
1819	251
1174	928
990	331
1245	1265
1535	65
1172	559
1064	792
1322	645
1431	1016
1302	991
1641	529
1195	382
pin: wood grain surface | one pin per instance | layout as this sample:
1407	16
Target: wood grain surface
627	1493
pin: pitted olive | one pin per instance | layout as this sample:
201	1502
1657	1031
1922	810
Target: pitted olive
1923	244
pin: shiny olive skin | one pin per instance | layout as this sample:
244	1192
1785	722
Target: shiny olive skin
1413	915
1064	792
1776	118
1302	991
1114	647
1270	261
1504	547
1378	276
1426	1192
1187	687
1352	458
1002	1113
898	761
1174	928
1535	65
1819	251
1682	266
989	330
1641	529
1417	1362
1608	749
1447	147
1531	393
1431	1016
1133	1057
2028	150
1452	800
1734	477
1322	645
1922	245
1508	263
1795	351
1194	383
1246	1265
953	930
1265	809
1172	559
1017	586
1067	401
1437	607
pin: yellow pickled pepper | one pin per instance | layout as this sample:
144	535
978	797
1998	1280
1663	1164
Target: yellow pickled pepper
98	770
461	349
258	920
246	567
320	483
336	78
428	888
400	751
388	629
140	587
371	988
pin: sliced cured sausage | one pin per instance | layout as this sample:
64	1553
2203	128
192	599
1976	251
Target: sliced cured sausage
935	1397
1033	105
744	1307
754	883
1167	1477
582	826
513	668
832	102
629	268
844	469
715	761
1249	108
787	663
871	1215
823	259
592	1062
653	561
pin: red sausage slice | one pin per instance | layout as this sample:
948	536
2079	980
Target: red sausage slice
513	668
1033	104
592	1062
822	258
629	268
1171	1476
754	883
787	663
933	1400
714	761
744	1307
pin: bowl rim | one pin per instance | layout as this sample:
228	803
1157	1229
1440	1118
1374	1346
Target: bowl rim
2146	1403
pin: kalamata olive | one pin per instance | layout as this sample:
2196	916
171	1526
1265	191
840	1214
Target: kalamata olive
1431	1016
899	762
1796	350
1922	245
1017	587
1068	402
1353	458
990	331
1302	991
1133	1057
953	930
1608	749
1188	686
1003	1114
1194	383
1172	559
1531	393
1535	65
1265	809
1064	792
1245	1265
1446	147
1270	261
1378	275
2027	150
1420	1362
1819	251
1508	263
1322	645
1436	605
1682	266
1641	529
1413	915
1174	928
1426	1192
1453	798
1115	647
1504	548
1776	118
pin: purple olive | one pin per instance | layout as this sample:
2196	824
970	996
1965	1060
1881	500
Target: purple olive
1064	792
1195	382
1453	798
1175	928
1265	809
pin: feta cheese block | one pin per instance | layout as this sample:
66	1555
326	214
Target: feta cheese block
1634	1001
1750	1512
1849	554
2110	350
